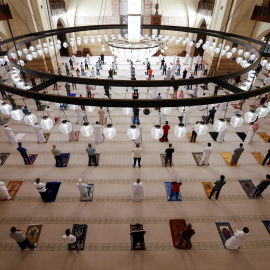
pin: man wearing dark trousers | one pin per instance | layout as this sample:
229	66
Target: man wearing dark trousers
23	153
136	112
217	187
262	186
186	234
166	128
91	154
20	238
169	151
138	236
211	115
194	133
267	157
57	156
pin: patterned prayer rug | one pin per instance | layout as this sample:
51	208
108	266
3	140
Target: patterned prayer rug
225	231
208	186
97	160
65	159
5	120
258	156
13	187
188	135
33	233
264	136
197	156
177	226
214	135
47	136
19	106
227	156
162	157
235	105
138	246
253	107
56	120
266	223
90	191
3	158
52	190
249	188
77	134
241	135
168	187
32	158
80	230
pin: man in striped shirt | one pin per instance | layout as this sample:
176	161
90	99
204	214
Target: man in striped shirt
91	154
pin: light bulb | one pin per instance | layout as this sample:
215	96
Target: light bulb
180	131
166	110
65	127
30	119
90	108
220	125
127	111
262	111
157	132
201	128
31	49
250	116
73	107
133	132
109	131
237	121
6	108
46	123
86	129
65	45
17	114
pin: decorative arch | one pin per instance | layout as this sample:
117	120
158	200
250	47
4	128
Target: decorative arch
263	34
60	24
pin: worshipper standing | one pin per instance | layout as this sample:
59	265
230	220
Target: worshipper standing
251	133
236	155
39	133
71	240
185	235
139	139
79	115
175	91
23	153
168	74
137	155
50	113
235	241
206	155
71	63
222	106
33	81
159	59
138	236
88	90
150	73
67	86
110	72
162	63
175	188
267	157
82	69
86	64
186	59
102	58
67	68
4	192
206	69
41	188
190	64
194	133
20	238
166	129
101	114
211	115
178	69
221	134
184	74
97	68
10	134
74	86
174	59
25	110
71	135
38	104
136	113
91	154
195	91
93	73
262	186
137	191
217	187
57	155
186	115
196	69
164	69
169	151
83	189
173	71
98	133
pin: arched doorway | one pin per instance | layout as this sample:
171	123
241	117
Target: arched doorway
63	51
200	50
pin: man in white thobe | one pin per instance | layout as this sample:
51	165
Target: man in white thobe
222	106
198	59
4	191
10	134
186	59
186	114
168	74
251	133
206	155
88	59
50	113
83	189
39	133
174	59
139	139
195	91
235	241
71	135
98	133
159	59
221	135
101	113
79	116
190	64
74	59
137	191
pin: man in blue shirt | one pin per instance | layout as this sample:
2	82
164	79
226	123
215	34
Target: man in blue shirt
24	154
262	186
211	115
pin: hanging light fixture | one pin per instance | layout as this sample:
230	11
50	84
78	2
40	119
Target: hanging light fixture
65	127
39	52
46	50
109	131
79	40
85	39
86	129
92	39
252	57
46	123
180	131
217	50
34	54
29	57
227	47
262	111
73	107
127	111
246	54
250	116
6	108
166	110
229	55
157	132
133	132
237	121
31	49
65	45
90	108
201	128
19	53
30	119
25	51
198	45
38	47
220	125
223	52
240	52
17	114
146	111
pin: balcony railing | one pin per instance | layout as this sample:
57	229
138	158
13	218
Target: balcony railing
261	13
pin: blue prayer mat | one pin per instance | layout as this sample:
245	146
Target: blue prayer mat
267	225
52	190
168	187
65	159
90	191
225	231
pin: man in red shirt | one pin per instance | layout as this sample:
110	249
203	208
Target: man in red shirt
186	235
175	188
150	73
166	128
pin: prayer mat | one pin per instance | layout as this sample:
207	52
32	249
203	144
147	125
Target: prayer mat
3	158
204	118
202	86
262	80
208	186
249	188
235	105
77	134
84	74
162	157
47	136
33	233
65	159
138	246
188	135
72	95
191	95
43	107
5	120
19	106
228	120
177	226
266	223
32	158
258	156
90	191
253	107
19	136
56	120
97	160
214	135
264	136
225	231
13	187
52	190
241	135
168	187
197	156
80	230
227	156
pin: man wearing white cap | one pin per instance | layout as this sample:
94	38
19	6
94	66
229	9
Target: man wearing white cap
10	134
4	191
83	189
175	188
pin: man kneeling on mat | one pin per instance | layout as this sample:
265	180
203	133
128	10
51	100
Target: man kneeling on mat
138	236
175	188
186	234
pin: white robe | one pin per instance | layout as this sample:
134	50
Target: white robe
79	116
168	74
206	155
39	133
250	136
98	133
74	59
10	134
174	59
163	118
222	106
195	91
235	241
88	59
186	115
101	113
236	111
173	70
190	64
71	135
159	59
93	73
137	192
4	192
186	59
139	139
221	135
198	59
50	114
